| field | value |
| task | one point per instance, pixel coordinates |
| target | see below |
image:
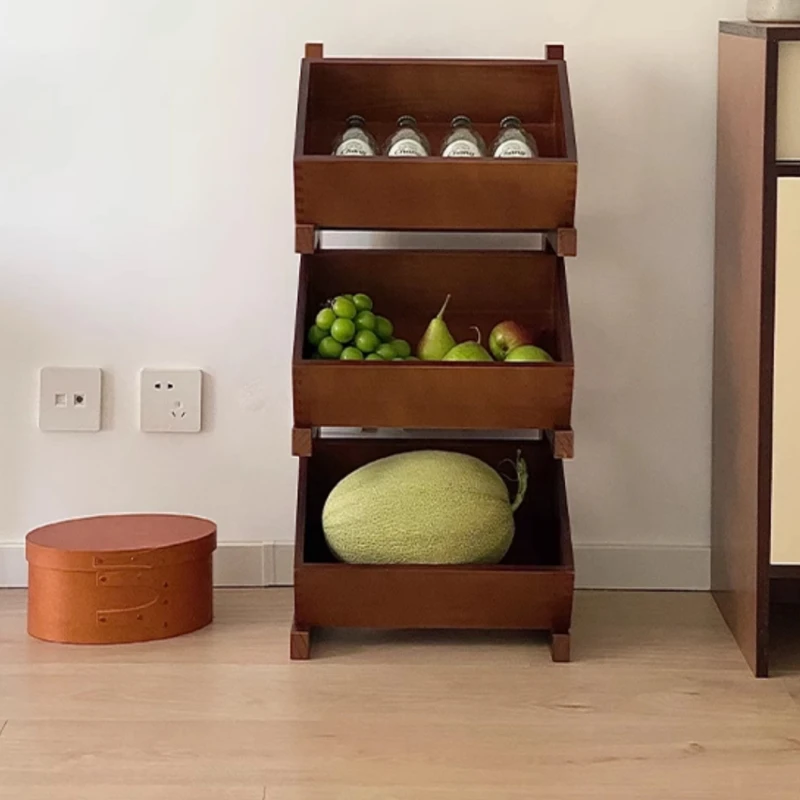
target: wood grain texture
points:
(302, 442)
(434, 193)
(305, 238)
(563, 242)
(299, 643)
(562, 443)
(658, 704)
(740, 532)
(529, 288)
(530, 590)
(123, 578)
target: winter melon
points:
(426, 507)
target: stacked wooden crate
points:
(532, 588)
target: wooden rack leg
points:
(306, 239)
(559, 645)
(314, 50)
(554, 52)
(302, 442)
(299, 642)
(563, 242)
(562, 443)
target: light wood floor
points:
(657, 705)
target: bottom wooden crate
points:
(531, 589)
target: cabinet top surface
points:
(761, 30)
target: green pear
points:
(528, 352)
(437, 341)
(468, 351)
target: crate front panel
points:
(409, 288)
(435, 193)
(531, 589)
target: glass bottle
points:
(514, 141)
(407, 140)
(463, 141)
(356, 139)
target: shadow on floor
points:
(785, 640)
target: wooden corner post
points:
(315, 50)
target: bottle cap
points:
(355, 121)
(406, 121)
(461, 121)
(511, 122)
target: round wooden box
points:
(115, 579)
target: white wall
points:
(146, 220)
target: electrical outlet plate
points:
(171, 400)
(70, 398)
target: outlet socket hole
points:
(79, 400)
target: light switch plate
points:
(171, 400)
(70, 398)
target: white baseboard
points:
(605, 566)
(13, 568)
(597, 566)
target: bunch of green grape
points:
(347, 329)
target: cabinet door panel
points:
(788, 144)
(786, 423)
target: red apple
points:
(507, 336)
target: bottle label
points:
(513, 148)
(461, 148)
(407, 147)
(354, 147)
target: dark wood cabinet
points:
(756, 427)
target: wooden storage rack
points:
(532, 588)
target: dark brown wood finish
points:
(531, 590)
(487, 288)
(563, 242)
(435, 193)
(773, 32)
(302, 441)
(742, 347)
(784, 572)
(306, 239)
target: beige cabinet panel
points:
(786, 429)
(788, 146)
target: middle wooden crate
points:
(409, 288)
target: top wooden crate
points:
(487, 194)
